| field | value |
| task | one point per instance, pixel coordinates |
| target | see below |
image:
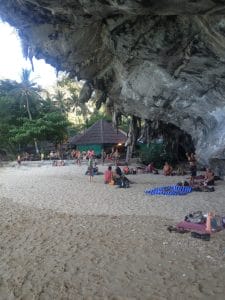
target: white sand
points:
(63, 237)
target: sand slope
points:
(62, 237)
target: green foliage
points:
(25, 117)
(124, 123)
(25, 92)
(67, 96)
(154, 153)
(9, 117)
(96, 116)
(51, 127)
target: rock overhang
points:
(158, 60)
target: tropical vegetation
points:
(30, 115)
(27, 118)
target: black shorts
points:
(193, 170)
(91, 171)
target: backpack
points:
(196, 217)
(124, 182)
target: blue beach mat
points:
(173, 190)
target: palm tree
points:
(73, 102)
(59, 99)
(26, 91)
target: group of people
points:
(58, 163)
(115, 177)
(78, 156)
(114, 156)
(127, 170)
(206, 179)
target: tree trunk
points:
(134, 130)
(28, 108)
(36, 146)
(30, 118)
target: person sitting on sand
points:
(167, 169)
(61, 163)
(133, 171)
(150, 167)
(126, 169)
(108, 175)
(180, 171)
(209, 177)
(54, 163)
(118, 171)
(117, 174)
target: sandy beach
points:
(63, 237)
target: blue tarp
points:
(174, 190)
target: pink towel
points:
(192, 226)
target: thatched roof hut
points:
(101, 135)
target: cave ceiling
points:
(158, 60)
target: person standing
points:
(103, 156)
(116, 157)
(78, 157)
(91, 168)
(19, 159)
(193, 166)
(51, 155)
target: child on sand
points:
(91, 168)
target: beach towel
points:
(191, 226)
(216, 223)
(173, 190)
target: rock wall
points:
(158, 60)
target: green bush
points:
(155, 153)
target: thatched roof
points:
(102, 132)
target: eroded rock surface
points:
(158, 60)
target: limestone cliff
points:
(158, 60)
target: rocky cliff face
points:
(158, 60)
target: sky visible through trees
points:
(40, 108)
(12, 60)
